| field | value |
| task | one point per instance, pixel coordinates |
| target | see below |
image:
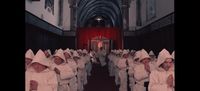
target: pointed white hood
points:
(162, 56)
(143, 55)
(133, 51)
(117, 52)
(151, 53)
(49, 51)
(75, 54)
(55, 51)
(71, 50)
(40, 58)
(29, 54)
(85, 51)
(120, 50)
(125, 52)
(137, 55)
(79, 50)
(68, 51)
(60, 54)
(173, 54)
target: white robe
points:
(66, 73)
(158, 80)
(73, 85)
(116, 69)
(152, 65)
(80, 74)
(141, 76)
(86, 60)
(130, 73)
(47, 80)
(122, 74)
(88, 64)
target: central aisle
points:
(100, 80)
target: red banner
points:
(86, 34)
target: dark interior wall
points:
(37, 38)
(152, 40)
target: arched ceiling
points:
(107, 8)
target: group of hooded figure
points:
(68, 70)
(142, 71)
(65, 70)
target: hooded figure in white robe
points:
(63, 70)
(48, 53)
(142, 71)
(81, 70)
(116, 69)
(162, 79)
(86, 60)
(88, 63)
(28, 57)
(123, 67)
(38, 75)
(73, 85)
(131, 70)
(152, 63)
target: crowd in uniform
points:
(68, 70)
(142, 71)
(65, 70)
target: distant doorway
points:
(89, 38)
(97, 42)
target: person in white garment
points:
(142, 71)
(102, 56)
(130, 69)
(152, 63)
(86, 60)
(81, 70)
(130, 58)
(73, 85)
(48, 53)
(162, 79)
(123, 67)
(116, 69)
(28, 57)
(63, 70)
(38, 75)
